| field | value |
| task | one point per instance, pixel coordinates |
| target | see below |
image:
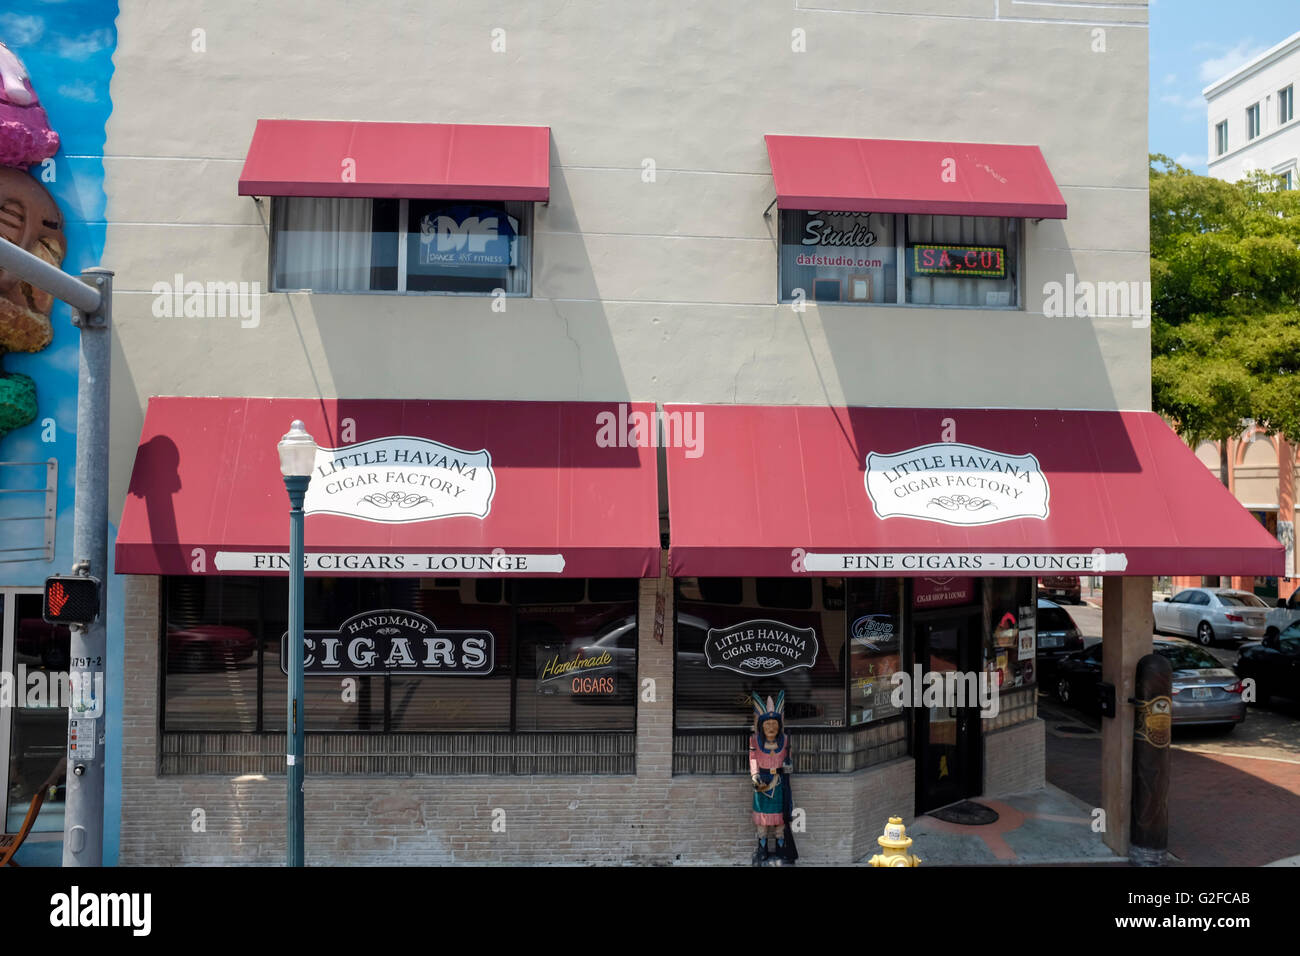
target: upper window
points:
(1285, 105)
(401, 245)
(1221, 137)
(874, 258)
(1252, 121)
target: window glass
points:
(962, 260)
(1185, 657)
(1053, 619)
(1008, 653)
(1221, 137)
(460, 246)
(1285, 104)
(356, 245)
(226, 640)
(838, 256)
(784, 592)
(39, 730)
(727, 651)
(334, 245)
(1183, 597)
(1240, 599)
(1199, 598)
(875, 647)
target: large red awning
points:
(782, 491)
(416, 488)
(397, 160)
(908, 176)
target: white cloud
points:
(1188, 160)
(1171, 78)
(21, 31)
(80, 90)
(85, 46)
(1219, 66)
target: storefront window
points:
(776, 635)
(852, 257)
(38, 732)
(401, 245)
(875, 647)
(1009, 646)
(546, 656)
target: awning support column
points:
(1126, 629)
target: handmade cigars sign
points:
(401, 479)
(393, 642)
(956, 484)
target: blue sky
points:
(1193, 43)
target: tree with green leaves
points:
(1225, 302)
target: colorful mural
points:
(56, 63)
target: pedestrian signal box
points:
(71, 599)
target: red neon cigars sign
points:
(985, 262)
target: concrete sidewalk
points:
(1039, 828)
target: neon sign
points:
(985, 262)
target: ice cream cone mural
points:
(31, 219)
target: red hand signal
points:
(58, 598)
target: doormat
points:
(968, 813)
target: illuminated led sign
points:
(984, 262)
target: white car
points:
(1212, 614)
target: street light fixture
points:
(297, 459)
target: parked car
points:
(1283, 616)
(1274, 665)
(1204, 691)
(203, 647)
(1057, 637)
(1212, 614)
(1062, 586)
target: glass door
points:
(947, 716)
(34, 723)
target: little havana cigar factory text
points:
(917, 465)
(396, 456)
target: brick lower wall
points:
(1015, 758)
(651, 817)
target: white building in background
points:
(1252, 116)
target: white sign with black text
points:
(956, 484)
(401, 479)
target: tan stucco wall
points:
(660, 291)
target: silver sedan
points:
(1212, 614)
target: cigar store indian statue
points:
(29, 218)
(770, 764)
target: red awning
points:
(416, 488)
(397, 160)
(780, 491)
(907, 176)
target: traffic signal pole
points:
(91, 298)
(83, 831)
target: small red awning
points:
(397, 160)
(907, 176)
(780, 491)
(414, 488)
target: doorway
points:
(949, 756)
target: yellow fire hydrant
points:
(894, 842)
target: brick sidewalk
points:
(1223, 810)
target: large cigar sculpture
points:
(29, 218)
